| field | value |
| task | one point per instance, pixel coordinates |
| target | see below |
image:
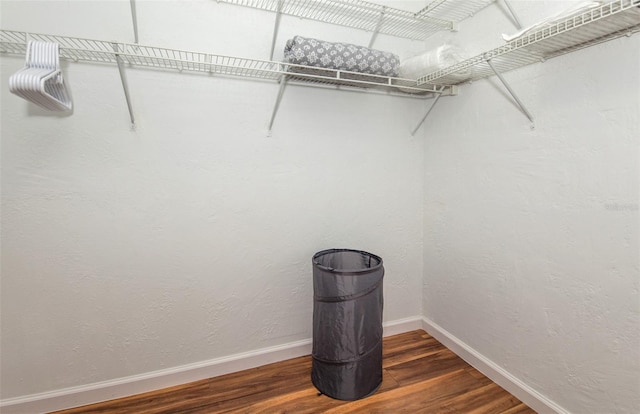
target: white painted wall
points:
(190, 238)
(531, 236)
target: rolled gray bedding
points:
(340, 56)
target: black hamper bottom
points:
(346, 380)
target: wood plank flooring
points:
(420, 376)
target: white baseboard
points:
(401, 326)
(136, 384)
(123, 387)
(493, 371)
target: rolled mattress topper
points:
(340, 56)
(439, 58)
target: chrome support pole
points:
(283, 84)
(135, 20)
(378, 26)
(513, 14)
(276, 26)
(513, 94)
(439, 94)
(125, 86)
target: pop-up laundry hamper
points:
(347, 323)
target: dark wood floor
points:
(420, 376)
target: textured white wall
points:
(531, 236)
(190, 238)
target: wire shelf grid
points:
(453, 10)
(373, 17)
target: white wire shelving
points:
(135, 55)
(437, 16)
(606, 22)
(600, 24)
(611, 20)
(99, 51)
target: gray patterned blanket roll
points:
(340, 56)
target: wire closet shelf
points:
(609, 21)
(98, 51)
(358, 14)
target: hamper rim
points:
(347, 272)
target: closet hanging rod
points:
(88, 50)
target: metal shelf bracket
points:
(283, 84)
(433, 104)
(135, 20)
(513, 14)
(125, 86)
(276, 26)
(513, 94)
(378, 26)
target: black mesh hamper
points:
(347, 323)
